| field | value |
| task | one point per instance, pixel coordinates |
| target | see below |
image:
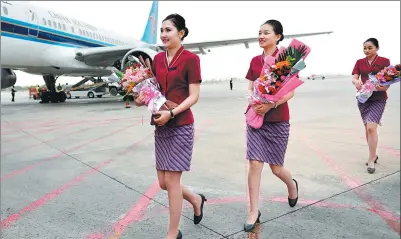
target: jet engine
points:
(146, 53)
(8, 78)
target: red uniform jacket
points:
(174, 80)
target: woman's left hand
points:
(262, 109)
(381, 88)
(165, 116)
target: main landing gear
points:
(52, 95)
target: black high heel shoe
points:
(293, 202)
(179, 236)
(377, 157)
(198, 219)
(371, 170)
(250, 227)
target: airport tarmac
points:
(85, 169)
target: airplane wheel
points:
(62, 96)
(91, 95)
(44, 97)
(113, 91)
(54, 98)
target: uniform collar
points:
(175, 58)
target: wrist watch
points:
(171, 113)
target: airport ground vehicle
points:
(313, 77)
(33, 93)
(89, 87)
(36, 92)
(115, 88)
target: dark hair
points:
(374, 41)
(179, 23)
(277, 28)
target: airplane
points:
(42, 42)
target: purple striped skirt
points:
(173, 147)
(372, 111)
(268, 143)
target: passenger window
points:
(64, 27)
(54, 24)
(5, 11)
(72, 29)
(49, 23)
(59, 25)
(44, 22)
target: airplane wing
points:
(106, 56)
(199, 47)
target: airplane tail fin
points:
(150, 33)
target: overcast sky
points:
(352, 23)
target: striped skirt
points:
(372, 111)
(173, 147)
(268, 143)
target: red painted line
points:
(30, 122)
(227, 200)
(16, 216)
(375, 205)
(137, 209)
(29, 167)
(68, 125)
(36, 126)
(46, 123)
(60, 136)
(392, 151)
(9, 221)
(44, 131)
(134, 214)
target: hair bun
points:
(186, 31)
(281, 38)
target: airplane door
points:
(33, 19)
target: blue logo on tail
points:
(150, 33)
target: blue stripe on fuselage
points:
(34, 39)
(19, 29)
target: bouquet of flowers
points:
(134, 75)
(279, 76)
(139, 80)
(388, 76)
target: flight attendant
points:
(268, 144)
(372, 110)
(179, 75)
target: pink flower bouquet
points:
(139, 80)
(388, 76)
(279, 76)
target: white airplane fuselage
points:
(40, 41)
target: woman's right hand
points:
(358, 83)
(140, 100)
